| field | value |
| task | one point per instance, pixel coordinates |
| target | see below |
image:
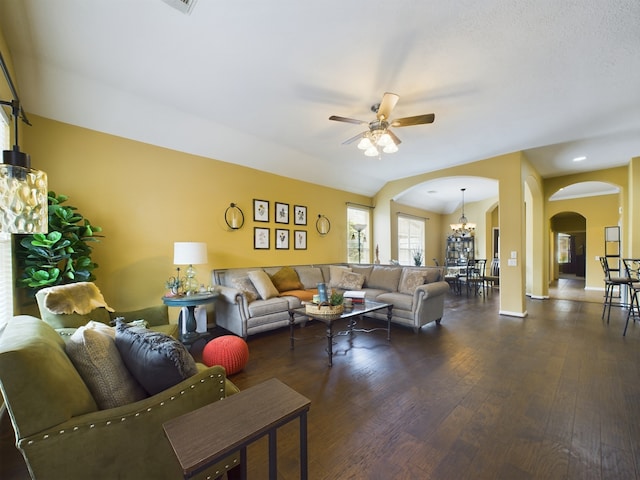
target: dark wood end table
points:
(210, 433)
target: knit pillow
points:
(92, 349)
(156, 360)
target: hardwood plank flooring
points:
(554, 395)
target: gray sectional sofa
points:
(417, 293)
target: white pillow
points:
(263, 284)
(335, 275)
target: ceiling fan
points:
(379, 136)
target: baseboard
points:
(513, 314)
(539, 297)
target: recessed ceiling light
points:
(579, 159)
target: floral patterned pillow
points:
(245, 285)
(410, 280)
(350, 281)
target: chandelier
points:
(463, 228)
(375, 140)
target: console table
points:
(210, 433)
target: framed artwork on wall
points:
(282, 239)
(300, 239)
(282, 213)
(299, 215)
(261, 238)
(260, 210)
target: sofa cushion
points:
(310, 277)
(263, 284)
(286, 279)
(267, 307)
(385, 278)
(350, 281)
(400, 301)
(157, 361)
(302, 295)
(411, 279)
(335, 274)
(364, 270)
(92, 349)
(32, 355)
(434, 275)
(245, 286)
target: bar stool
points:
(610, 283)
(632, 267)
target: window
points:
(6, 271)
(564, 248)
(358, 235)
(410, 239)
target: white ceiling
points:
(254, 82)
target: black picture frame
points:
(299, 239)
(299, 215)
(281, 212)
(261, 238)
(282, 239)
(260, 210)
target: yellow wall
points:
(434, 247)
(146, 197)
(600, 211)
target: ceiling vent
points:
(185, 6)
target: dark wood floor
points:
(555, 395)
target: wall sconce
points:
(323, 225)
(23, 190)
(234, 217)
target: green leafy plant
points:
(336, 298)
(61, 256)
(417, 257)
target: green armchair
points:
(61, 432)
(65, 323)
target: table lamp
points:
(190, 253)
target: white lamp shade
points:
(189, 253)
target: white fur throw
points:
(81, 297)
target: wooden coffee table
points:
(350, 314)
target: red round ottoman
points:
(229, 351)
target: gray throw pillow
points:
(156, 360)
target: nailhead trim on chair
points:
(219, 377)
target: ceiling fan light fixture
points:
(391, 148)
(372, 151)
(365, 143)
(384, 139)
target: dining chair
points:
(492, 275)
(474, 277)
(632, 268)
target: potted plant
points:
(417, 258)
(61, 256)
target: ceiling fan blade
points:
(353, 139)
(348, 120)
(393, 136)
(417, 120)
(388, 103)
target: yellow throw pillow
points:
(286, 279)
